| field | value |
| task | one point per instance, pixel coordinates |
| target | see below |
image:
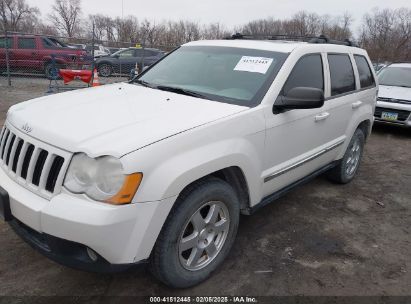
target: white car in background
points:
(394, 97)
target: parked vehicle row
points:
(40, 54)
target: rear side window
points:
(308, 72)
(26, 43)
(364, 70)
(3, 42)
(342, 74)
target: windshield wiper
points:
(180, 91)
(143, 83)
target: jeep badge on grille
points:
(26, 128)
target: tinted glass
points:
(395, 76)
(48, 43)
(342, 74)
(3, 42)
(139, 52)
(232, 75)
(26, 43)
(126, 53)
(308, 72)
(364, 70)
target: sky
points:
(228, 12)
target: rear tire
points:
(346, 170)
(51, 71)
(198, 234)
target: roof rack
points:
(310, 39)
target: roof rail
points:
(310, 39)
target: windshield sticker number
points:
(254, 64)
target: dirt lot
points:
(321, 239)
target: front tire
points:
(105, 70)
(346, 170)
(197, 235)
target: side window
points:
(342, 74)
(127, 53)
(47, 43)
(364, 70)
(139, 53)
(26, 43)
(308, 72)
(3, 42)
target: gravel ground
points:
(321, 239)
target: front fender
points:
(172, 164)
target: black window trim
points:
(353, 71)
(372, 74)
(299, 59)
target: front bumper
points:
(402, 110)
(120, 235)
(68, 253)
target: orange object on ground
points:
(96, 81)
(70, 75)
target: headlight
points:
(101, 179)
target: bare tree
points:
(13, 13)
(66, 16)
(386, 34)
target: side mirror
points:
(300, 98)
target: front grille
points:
(31, 164)
(402, 114)
(394, 100)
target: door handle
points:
(322, 116)
(356, 104)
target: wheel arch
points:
(365, 126)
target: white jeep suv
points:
(159, 169)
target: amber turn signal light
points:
(127, 192)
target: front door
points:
(298, 141)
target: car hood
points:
(114, 119)
(394, 92)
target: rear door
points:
(366, 84)
(342, 95)
(27, 54)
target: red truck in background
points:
(40, 54)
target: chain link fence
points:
(61, 63)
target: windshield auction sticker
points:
(254, 64)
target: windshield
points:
(395, 76)
(231, 75)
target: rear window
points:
(3, 42)
(364, 71)
(342, 74)
(26, 43)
